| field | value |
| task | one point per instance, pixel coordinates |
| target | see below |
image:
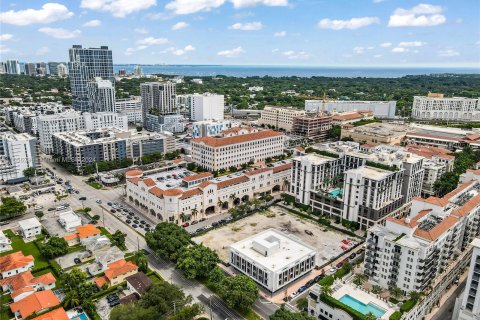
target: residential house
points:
(69, 220)
(5, 243)
(117, 272)
(82, 235)
(103, 257)
(30, 227)
(57, 314)
(34, 303)
(15, 263)
(24, 284)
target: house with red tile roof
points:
(24, 284)
(56, 314)
(116, 273)
(34, 303)
(15, 263)
(83, 234)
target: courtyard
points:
(327, 242)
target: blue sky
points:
(250, 32)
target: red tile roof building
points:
(25, 283)
(36, 302)
(15, 263)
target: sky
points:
(424, 33)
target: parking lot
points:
(51, 224)
(130, 216)
(327, 242)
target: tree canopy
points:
(11, 208)
(239, 292)
(197, 261)
(54, 247)
(168, 240)
(284, 314)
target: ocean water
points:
(287, 71)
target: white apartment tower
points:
(467, 305)
(62, 70)
(158, 98)
(17, 153)
(437, 107)
(207, 106)
(12, 67)
(101, 95)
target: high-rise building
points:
(137, 71)
(3, 67)
(158, 98)
(279, 117)
(12, 67)
(62, 70)
(84, 66)
(467, 305)
(206, 106)
(52, 68)
(30, 69)
(17, 153)
(101, 95)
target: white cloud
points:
(151, 41)
(370, 48)
(358, 50)
(179, 25)
(231, 53)
(353, 23)
(247, 26)
(385, 44)
(118, 8)
(60, 33)
(92, 23)
(251, 3)
(4, 49)
(399, 50)
(377, 56)
(378, 1)
(6, 36)
(275, 50)
(43, 50)
(422, 15)
(296, 54)
(50, 12)
(181, 52)
(192, 6)
(448, 53)
(280, 34)
(411, 44)
(140, 30)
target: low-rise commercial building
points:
(376, 133)
(236, 147)
(343, 118)
(437, 107)
(272, 258)
(443, 137)
(69, 220)
(179, 195)
(381, 109)
(279, 117)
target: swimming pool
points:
(361, 307)
(335, 193)
(81, 316)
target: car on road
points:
(203, 219)
(186, 224)
(301, 289)
(194, 222)
(77, 261)
(216, 223)
(82, 198)
(38, 207)
(319, 277)
(52, 209)
(99, 201)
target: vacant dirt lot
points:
(328, 243)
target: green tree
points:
(197, 261)
(118, 239)
(396, 292)
(376, 289)
(54, 247)
(334, 132)
(239, 292)
(302, 304)
(11, 207)
(370, 316)
(29, 172)
(39, 214)
(141, 260)
(284, 314)
(327, 289)
(415, 295)
(215, 278)
(359, 279)
(168, 240)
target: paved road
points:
(134, 240)
(446, 310)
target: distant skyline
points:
(367, 33)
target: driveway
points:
(66, 261)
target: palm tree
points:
(220, 203)
(72, 299)
(327, 289)
(232, 197)
(376, 289)
(347, 266)
(183, 216)
(370, 316)
(194, 212)
(359, 279)
(396, 292)
(415, 295)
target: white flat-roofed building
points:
(467, 304)
(238, 146)
(132, 107)
(279, 117)
(69, 220)
(206, 106)
(30, 227)
(211, 128)
(380, 109)
(439, 108)
(17, 153)
(272, 258)
(5, 243)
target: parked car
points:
(128, 221)
(194, 222)
(77, 261)
(339, 265)
(301, 289)
(310, 233)
(52, 209)
(202, 219)
(352, 256)
(99, 201)
(186, 224)
(216, 223)
(109, 203)
(332, 271)
(113, 210)
(38, 207)
(319, 277)
(135, 226)
(82, 198)
(310, 283)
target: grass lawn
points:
(155, 277)
(104, 232)
(95, 184)
(251, 315)
(27, 248)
